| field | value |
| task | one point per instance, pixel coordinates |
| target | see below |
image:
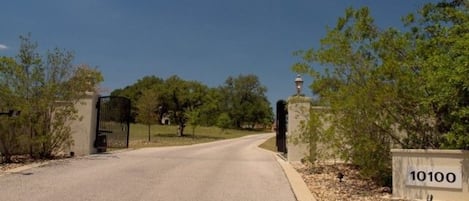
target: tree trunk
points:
(181, 129)
(149, 133)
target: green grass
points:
(164, 135)
(269, 144)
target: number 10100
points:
(433, 176)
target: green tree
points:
(211, 108)
(136, 90)
(147, 107)
(193, 118)
(440, 35)
(41, 90)
(245, 101)
(387, 87)
(180, 96)
(243, 98)
(354, 90)
(9, 100)
(224, 122)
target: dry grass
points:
(269, 144)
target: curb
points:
(24, 167)
(297, 184)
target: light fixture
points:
(299, 84)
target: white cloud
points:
(3, 47)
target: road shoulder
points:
(299, 187)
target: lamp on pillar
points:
(299, 84)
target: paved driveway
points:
(226, 170)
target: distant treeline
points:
(238, 103)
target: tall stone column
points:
(298, 116)
(84, 130)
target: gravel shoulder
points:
(324, 184)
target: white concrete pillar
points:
(298, 116)
(84, 131)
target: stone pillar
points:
(298, 116)
(84, 131)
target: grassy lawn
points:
(269, 144)
(166, 135)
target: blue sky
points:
(204, 40)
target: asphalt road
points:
(234, 170)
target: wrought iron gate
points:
(281, 126)
(112, 127)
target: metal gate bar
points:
(112, 127)
(281, 126)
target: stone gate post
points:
(298, 116)
(84, 131)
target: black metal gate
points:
(112, 127)
(281, 126)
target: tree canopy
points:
(245, 101)
(135, 91)
(242, 99)
(39, 87)
(391, 87)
